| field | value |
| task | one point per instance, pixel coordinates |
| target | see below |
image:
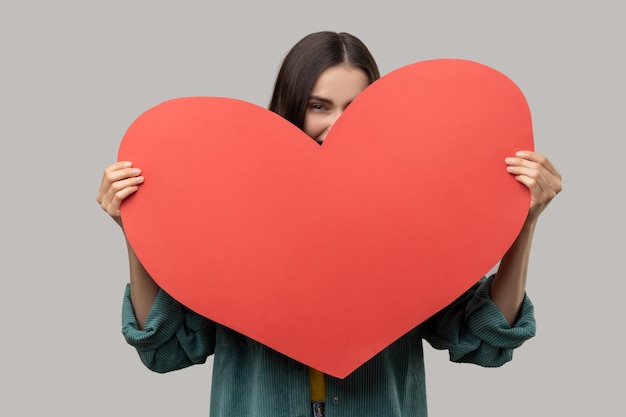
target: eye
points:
(317, 107)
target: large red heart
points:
(330, 253)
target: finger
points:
(532, 185)
(541, 159)
(106, 180)
(120, 185)
(532, 177)
(112, 174)
(542, 185)
(550, 182)
(113, 206)
(118, 193)
(539, 180)
(534, 167)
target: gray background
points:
(74, 75)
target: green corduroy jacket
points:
(252, 380)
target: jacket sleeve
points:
(473, 329)
(173, 337)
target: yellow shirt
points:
(317, 385)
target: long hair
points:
(306, 60)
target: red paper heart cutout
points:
(246, 220)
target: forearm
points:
(143, 289)
(509, 286)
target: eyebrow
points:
(325, 100)
(322, 99)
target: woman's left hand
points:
(536, 172)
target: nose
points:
(337, 115)
(334, 119)
(331, 122)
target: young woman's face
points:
(333, 91)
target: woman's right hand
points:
(118, 182)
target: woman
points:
(318, 79)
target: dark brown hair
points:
(306, 60)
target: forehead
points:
(340, 82)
